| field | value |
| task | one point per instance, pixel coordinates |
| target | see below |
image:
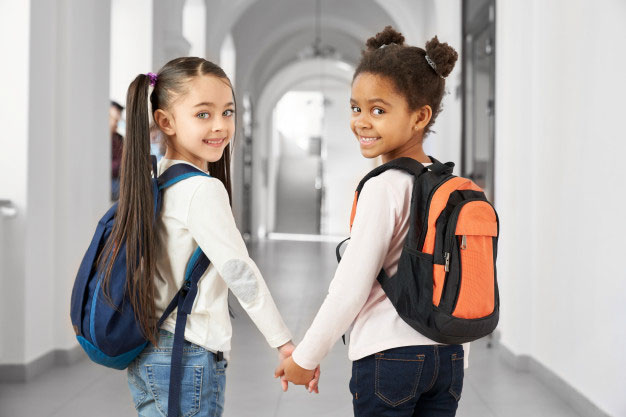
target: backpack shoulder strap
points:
(441, 169)
(177, 173)
(408, 165)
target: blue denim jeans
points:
(419, 381)
(202, 385)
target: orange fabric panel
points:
(356, 199)
(469, 185)
(439, 275)
(476, 295)
(438, 203)
(477, 218)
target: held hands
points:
(290, 371)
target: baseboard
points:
(520, 363)
(28, 371)
(560, 387)
(575, 398)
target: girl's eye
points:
(228, 113)
(203, 115)
(378, 111)
(355, 109)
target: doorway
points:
(299, 189)
(478, 141)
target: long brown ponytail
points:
(134, 223)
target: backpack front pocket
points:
(469, 260)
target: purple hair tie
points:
(153, 78)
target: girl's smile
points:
(367, 141)
(214, 142)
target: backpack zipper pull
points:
(464, 242)
(447, 257)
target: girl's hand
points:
(313, 385)
(285, 352)
(290, 371)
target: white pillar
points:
(14, 31)
(55, 166)
(167, 29)
(131, 44)
(82, 146)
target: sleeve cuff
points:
(302, 362)
(280, 339)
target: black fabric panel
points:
(453, 282)
(429, 183)
(408, 290)
(440, 237)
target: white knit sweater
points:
(196, 212)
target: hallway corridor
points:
(298, 274)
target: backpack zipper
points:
(450, 229)
(458, 287)
(447, 254)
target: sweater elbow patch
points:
(241, 279)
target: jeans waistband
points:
(165, 340)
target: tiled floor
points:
(298, 274)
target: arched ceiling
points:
(270, 34)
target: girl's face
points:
(381, 119)
(201, 123)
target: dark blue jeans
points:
(418, 381)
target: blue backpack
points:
(110, 334)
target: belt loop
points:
(219, 356)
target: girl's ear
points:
(164, 122)
(422, 117)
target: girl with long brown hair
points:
(192, 103)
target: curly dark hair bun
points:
(418, 74)
(388, 36)
(443, 55)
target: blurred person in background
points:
(117, 141)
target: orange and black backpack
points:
(446, 286)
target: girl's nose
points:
(219, 124)
(361, 122)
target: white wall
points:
(58, 162)
(168, 41)
(82, 153)
(194, 26)
(559, 149)
(14, 25)
(131, 44)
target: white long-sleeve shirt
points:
(355, 296)
(196, 212)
